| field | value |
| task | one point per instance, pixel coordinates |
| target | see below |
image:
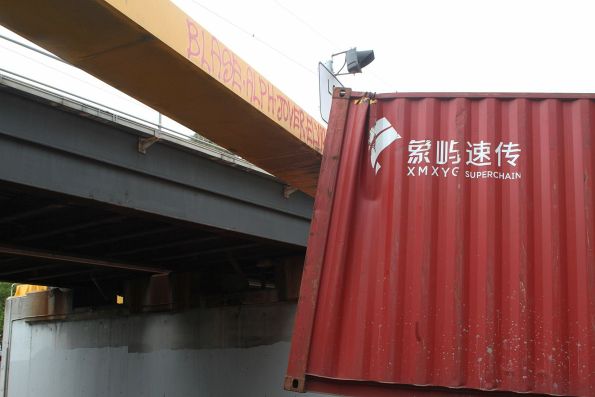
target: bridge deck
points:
(80, 205)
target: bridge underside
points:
(80, 207)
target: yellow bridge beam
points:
(153, 51)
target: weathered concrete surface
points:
(231, 351)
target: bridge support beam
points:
(156, 53)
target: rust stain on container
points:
(453, 253)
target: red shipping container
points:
(451, 249)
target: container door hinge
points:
(145, 143)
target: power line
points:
(252, 35)
(320, 34)
(305, 23)
(89, 83)
(45, 53)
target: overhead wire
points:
(305, 23)
(63, 72)
(321, 35)
(253, 35)
(104, 87)
(29, 47)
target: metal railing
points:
(105, 112)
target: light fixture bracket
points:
(354, 60)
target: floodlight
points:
(354, 60)
(327, 77)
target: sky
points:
(420, 45)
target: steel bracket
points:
(145, 143)
(288, 191)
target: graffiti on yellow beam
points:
(207, 52)
(190, 39)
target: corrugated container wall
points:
(451, 250)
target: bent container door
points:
(451, 249)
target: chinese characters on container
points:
(481, 160)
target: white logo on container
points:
(381, 136)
